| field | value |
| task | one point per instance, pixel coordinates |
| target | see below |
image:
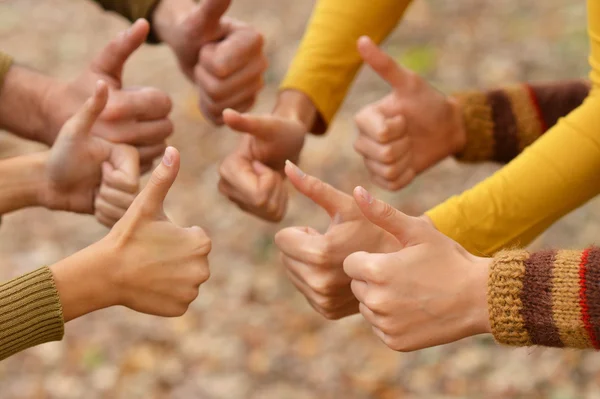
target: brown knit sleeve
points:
(133, 10)
(5, 64)
(30, 312)
(549, 298)
(501, 123)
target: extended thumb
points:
(384, 215)
(380, 62)
(113, 56)
(81, 123)
(163, 177)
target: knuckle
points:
(322, 286)
(190, 295)
(387, 154)
(390, 172)
(180, 309)
(214, 90)
(330, 315)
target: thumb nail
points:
(365, 194)
(168, 157)
(299, 172)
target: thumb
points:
(112, 57)
(263, 127)
(405, 228)
(334, 202)
(151, 198)
(207, 15)
(380, 62)
(81, 123)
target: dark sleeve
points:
(133, 10)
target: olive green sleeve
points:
(133, 10)
(30, 312)
(5, 63)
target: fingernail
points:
(296, 169)
(168, 157)
(365, 194)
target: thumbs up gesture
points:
(223, 56)
(314, 261)
(145, 262)
(86, 173)
(159, 266)
(409, 130)
(428, 293)
(251, 176)
(135, 116)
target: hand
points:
(432, 292)
(224, 57)
(88, 174)
(252, 175)
(314, 261)
(145, 263)
(409, 130)
(136, 116)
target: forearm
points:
(553, 176)
(327, 59)
(30, 312)
(21, 181)
(548, 298)
(501, 123)
(22, 99)
(82, 282)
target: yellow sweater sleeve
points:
(327, 59)
(555, 175)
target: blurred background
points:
(250, 334)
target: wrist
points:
(479, 269)
(295, 105)
(459, 131)
(169, 13)
(83, 281)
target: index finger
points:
(146, 103)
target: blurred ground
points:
(249, 334)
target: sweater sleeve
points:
(501, 123)
(30, 312)
(5, 64)
(549, 298)
(553, 176)
(327, 60)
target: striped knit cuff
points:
(6, 62)
(545, 298)
(499, 123)
(30, 312)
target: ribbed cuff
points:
(30, 312)
(479, 127)
(547, 298)
(6, 62)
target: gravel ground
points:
(250, 334)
